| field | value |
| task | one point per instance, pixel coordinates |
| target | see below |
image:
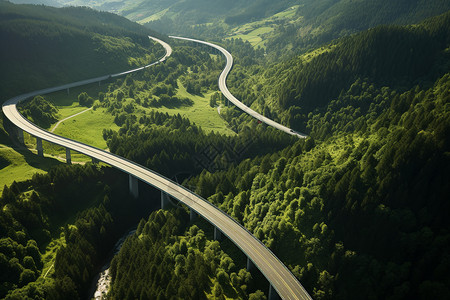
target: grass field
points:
(21, 165)
(200, 112)
(256, 32)
(88, 127)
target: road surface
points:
(284, 282)
(224, 89)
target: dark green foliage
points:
(163, 260)
(45, 46)
(394, 56)
(40, 111)
(325, 20)
(177, 146)
(33, 212)
(85, 100)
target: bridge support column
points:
(273, 295)
(133, 183)
(217, 234)
(20, 136)
(192, 215)
(164, 200)
(68, 91)
(39, 148)
(250, 265)
(68, 157)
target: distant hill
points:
(316, 22)
(43, 46)
(320, 21)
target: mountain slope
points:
(395, 56)
(359, 211)
(44, 46)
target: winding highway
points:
(280, 278)
(224, 89)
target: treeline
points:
(367, 206)
(388, 56)
(393, 56)
(157, 86)
(39, 111)
(31, 215)
(172, 144)
(165, 259)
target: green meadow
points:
(20, 165)
(256, 33)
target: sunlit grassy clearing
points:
(254, 32)
(254, 37)
(200, 112)
(88, 127)
(21, 165)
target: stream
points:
(102, 281)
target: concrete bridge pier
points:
(68, 91)
(39, 148)
(164, 200)
(217, 234)
(250, 264)
(133, 183)
(192, 215)
(20, 136)
(273, 295)
(68, 157)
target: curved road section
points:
(224, 89)
(275, 271)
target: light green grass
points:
(150, 18)
(22, 165)
(49, 256)
(254, 37)
(200, 112)
(307, 57)
(88, 127)
(257, 32)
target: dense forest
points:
(169, 258)
(365, 196)
(54, 235)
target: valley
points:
(355, 208)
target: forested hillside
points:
(45, 46)
(368, 202)
(54, 234)
(398, 57)
(167, 257)
(359, 210)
